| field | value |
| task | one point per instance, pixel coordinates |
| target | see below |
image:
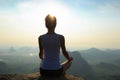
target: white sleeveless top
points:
(51, 46)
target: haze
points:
(84, 23)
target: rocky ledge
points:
(35, 76)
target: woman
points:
(49, 46)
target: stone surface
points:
(36, 76)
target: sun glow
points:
(30, 21)
(33, 14)
(55, 9)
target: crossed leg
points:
(66, 65)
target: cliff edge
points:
(35, 76)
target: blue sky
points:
(109, 7)
(85, 23)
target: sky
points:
(84, 23)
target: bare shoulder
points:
(40, 38)
(61, 36)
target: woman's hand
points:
(70, 59)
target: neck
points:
(50, 32)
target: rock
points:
(35, 76)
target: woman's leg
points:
(66, 65)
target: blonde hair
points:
(50, 21)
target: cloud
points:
(111, 7)
(107, 7)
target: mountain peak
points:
(94, 49)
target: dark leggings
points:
(51, 73)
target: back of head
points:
(50, 21)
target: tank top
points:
(51, 46)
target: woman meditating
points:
(49, 46)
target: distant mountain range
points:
(90, 64)
(3, 67)
(105, 63)
(94, 55)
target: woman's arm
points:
(65, 53)
(40, 48)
